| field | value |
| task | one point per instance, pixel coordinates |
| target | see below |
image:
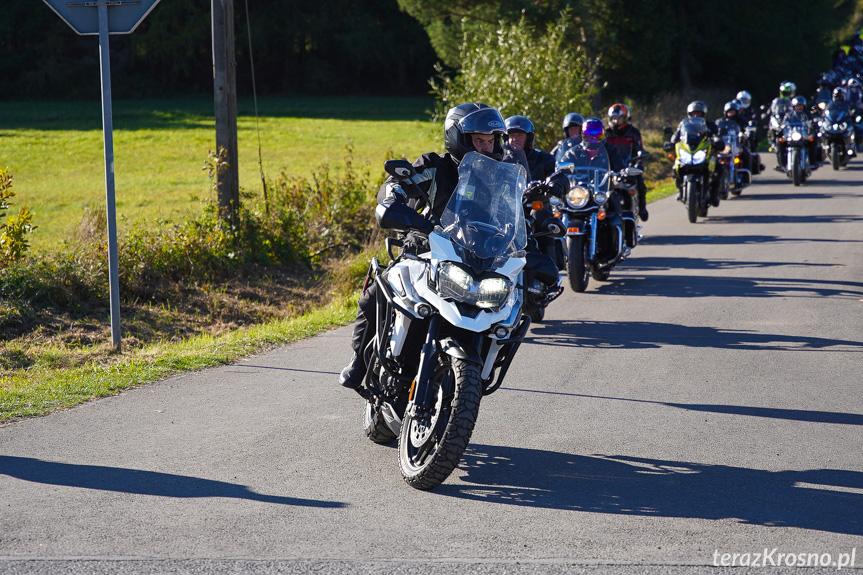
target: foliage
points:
(323, 47)
(510, 69)
(307, 219)
(14, 231)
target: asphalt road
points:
(705, 401)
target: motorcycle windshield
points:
(484, 215)
(835, 113)
(589, 162)
(732, 135)
(693, 131)
(795, 122)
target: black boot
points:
(642, 204)
(354, 372)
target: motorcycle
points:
(735, 177)
(449, 321)
(836, 131)
(601, 226)
(694, 165)
(795, 140)
(545, 253)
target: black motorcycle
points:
(796, 138)
(836, 130)
(600, 222)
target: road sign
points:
(83, 16)
(94, 17)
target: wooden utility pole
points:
(225, 87)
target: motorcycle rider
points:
(778, 107)
(520, 133)
(746, 112)
(626, 138)
(467, 127)
(840, 99)
(731, 112)
(698, 109)
(572, 123)
(813, 147)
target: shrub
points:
(540, 74)
(14, 231)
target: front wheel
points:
(796, 168)
(692, 199)
(834, 156)
(577, 266)
(431, 446)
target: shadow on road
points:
(688, 286)
(810, 416)
(681, 240)
(645, 335)
(820, 499)
(137, 481)
(783, 219)
(678, 263)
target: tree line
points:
(339, 47)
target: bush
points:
(302, 221)
(540, 74)
(14, 231)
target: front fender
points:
(453, 348)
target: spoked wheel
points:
(577, 266)
(692, 202)
(431, 446)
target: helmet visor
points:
(484, 121)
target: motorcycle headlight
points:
(577, 197)
(601, 196)
(843, 126)
(699, 157)
(685, 157)
(796, 136)
(454, 282)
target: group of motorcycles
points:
(449, 321)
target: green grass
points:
(55, 151)
(48, 386)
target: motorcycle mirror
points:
(399, 169)
(552, 227)
(630, 172)
(566, 167)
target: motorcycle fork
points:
(421, 389)
(594, 220)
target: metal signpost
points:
(90, 18)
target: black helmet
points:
(467, 119)
(521, 124)
(572, 119)
(732, 105)
(798, 101)
(839, 94)
(696, 106)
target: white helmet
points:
(745, 98)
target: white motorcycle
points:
(449, 320)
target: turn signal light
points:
(600, 215)
(573, 230)
(537, 205)
(736, 160)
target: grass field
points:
(55, 150)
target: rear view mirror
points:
(399, 169)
